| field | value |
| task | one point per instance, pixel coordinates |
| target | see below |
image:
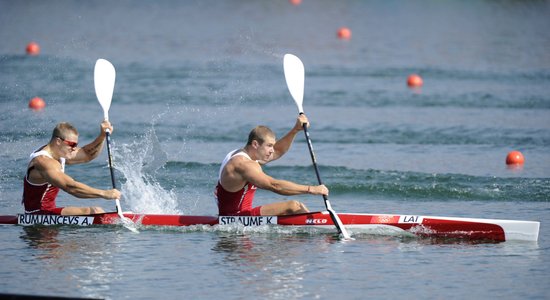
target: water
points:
(194, 77)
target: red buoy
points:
(414, 81)
(515, 158)
(37, 103)
(295, 2)
(344, 33)
(33, 48)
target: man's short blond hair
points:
(260, 133)
(63, 129)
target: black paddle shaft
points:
(313, 159)
(108, 137)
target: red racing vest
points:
(234, 203)
(39, 197)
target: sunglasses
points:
(68, 143)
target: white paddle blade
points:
(294, 75)
(104, 82)
(126, 222)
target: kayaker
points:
(46, 173)
(241, 173)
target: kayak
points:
(383, 224)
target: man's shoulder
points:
(242, 163)
(44, 162)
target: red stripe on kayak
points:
(8, 219)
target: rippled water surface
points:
(194, 77)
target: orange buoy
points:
(515, 158)
(37, 103)
(344, 33)
(295, 2)
(414, 81)
(33, 48)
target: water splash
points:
(141, 192)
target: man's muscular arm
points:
(93, 149)
(282, 145)
(252, 172)
(50, 172)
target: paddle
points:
(294, 75)
(104, 82)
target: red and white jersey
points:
(239, 202)
(40, 197)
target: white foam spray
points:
(141, 192)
